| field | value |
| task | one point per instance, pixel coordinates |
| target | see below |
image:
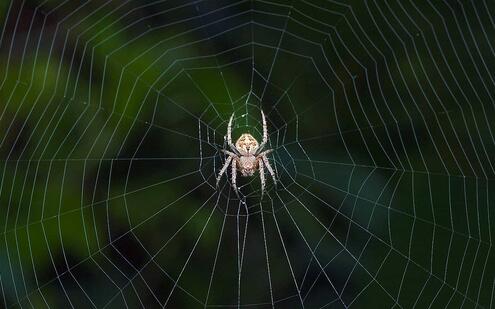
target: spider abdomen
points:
(247, 143)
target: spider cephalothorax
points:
(247, 155)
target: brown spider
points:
(246, 156)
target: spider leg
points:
(265, 132)
(234, 174)
(262, 175)
(229, 153)
(229, 133)
(224, 168)
(269, 168)
(265, 153)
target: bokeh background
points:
(380, 114)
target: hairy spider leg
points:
(224, 168)
(262, 176)
(265, 132)
(234, 174)
(229, 134)
(269, 168)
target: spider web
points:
(112, 122)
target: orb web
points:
(113, 116)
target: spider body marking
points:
(247, 156)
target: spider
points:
(247, 156)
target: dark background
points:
(380, 114)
